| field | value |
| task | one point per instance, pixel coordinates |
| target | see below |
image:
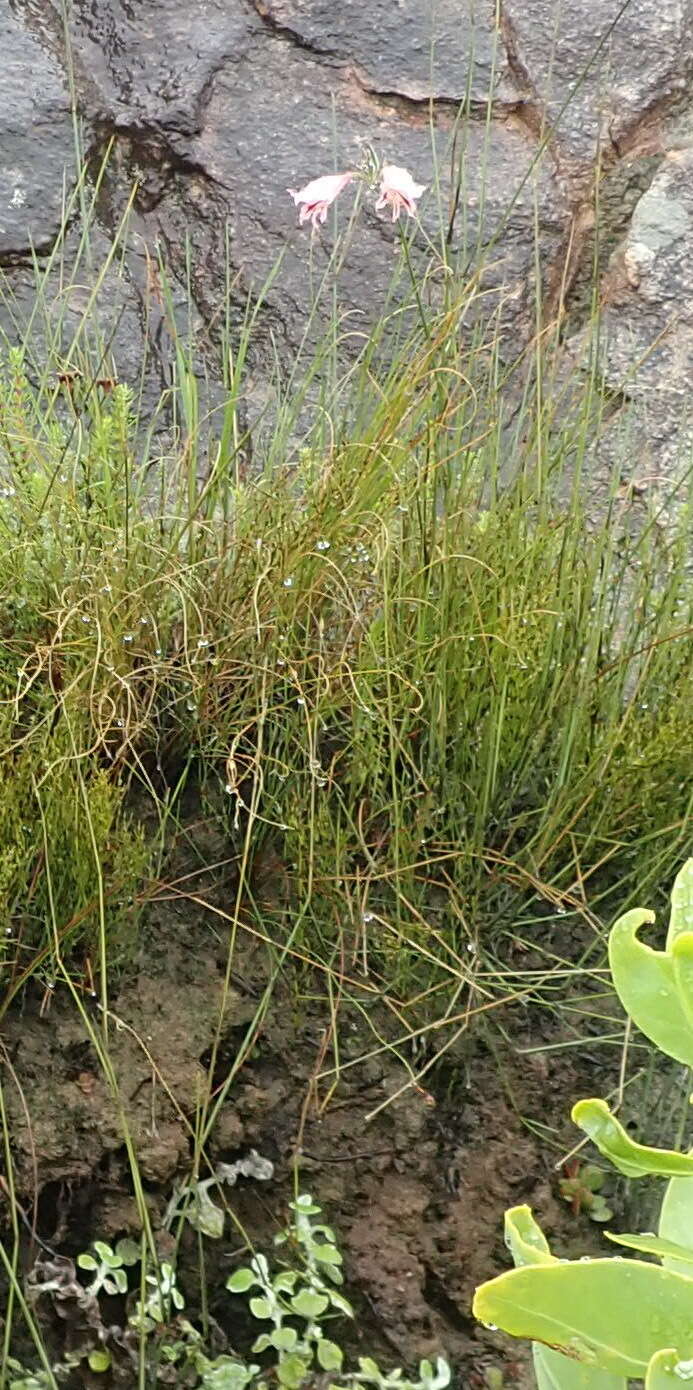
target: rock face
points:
(36, 141)
(399, 49)
(600, 68)
(510, 111)
(647, 328)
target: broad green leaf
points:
(682, 958)
(283, 1338)
(337, 1301)
(326, 1254)
(634, 1160)
(241, 1281)
(525, 1239)
(645, 983)
(292, 1371)
(260, 1307)
(676, 1222)
(681, 919)
(529, 1246)
(654, 1245)
(665, 1370)
(556, 1372)
(587, 1310)
(309, 1304)
(87, 1262)
(226, 1374)
(369, 1367)
(285, 1281)
(330, 1356)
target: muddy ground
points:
(416, 1193)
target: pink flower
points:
(398, 190)
(317, 195)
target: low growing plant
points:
(599, 1323)
(295, 1304)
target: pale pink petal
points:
(315, 197)
(398, 190)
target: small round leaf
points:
(330, 1356)
(260, 1308)
(241, 1281)
(309, 1304)
(99, 1360)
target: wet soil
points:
(414, 1180)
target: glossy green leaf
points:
(556, 1372)
(682, 959)
(681, 919)
(665, 1250)
(525, 1239)
(665, 1370)
(646, 985)
(587, 1310)
(529, 1246)
(634, 1160)
(676, 1222)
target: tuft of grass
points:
(412, 665)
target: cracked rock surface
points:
(216, 107)
(36, 140)
(391, 45)
(599, 69)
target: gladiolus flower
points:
(316, 197)
(398, 190)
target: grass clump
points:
(403, 665)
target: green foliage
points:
(628, 1319)
(109, 1266)
(581, 1188)
(300, 1302)
(417, 668)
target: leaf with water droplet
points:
(681, 919)
(661, 1372)
(556, 1372)
(655, 1245)
(589, 1308)
(525, 1238)
(676, 1223)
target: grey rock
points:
(646, 344)
(36, 140)
(149, 64)
(612, 63)
(647, 331)
(218, 109)
(73, 312)
(444, 51)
